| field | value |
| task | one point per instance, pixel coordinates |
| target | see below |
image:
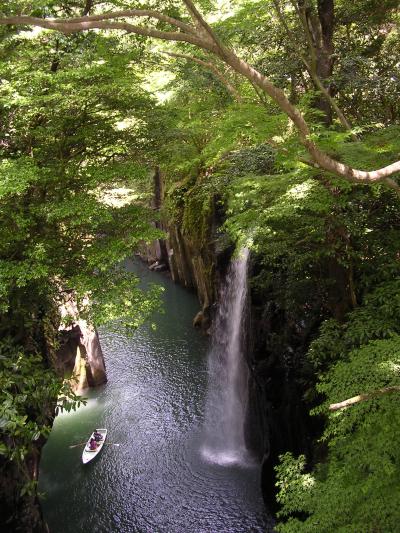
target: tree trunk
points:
(319, 28)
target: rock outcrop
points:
(194, 250)
(278, 417)
(80, 355)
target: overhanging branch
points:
(214, 69)
(132, 13)
(68, 26)
(363, 397)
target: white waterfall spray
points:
(227, 372)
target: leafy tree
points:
(201, 35)
(74, 130)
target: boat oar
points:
(108, 444)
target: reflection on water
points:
(156, 480)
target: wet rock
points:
(158, 267)
(80, 353)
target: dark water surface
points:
(157, 480)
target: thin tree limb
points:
(260, 94)
(214, 69)
(363, 397)
(309, 38)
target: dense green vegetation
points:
(70, 140)
(86, 114)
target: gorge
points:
(172, 131)
(157, 478)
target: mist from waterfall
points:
(227, 372)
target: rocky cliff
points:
(195, 250)
(79, 355)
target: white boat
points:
(88, 454)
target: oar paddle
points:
(108, 444)
(75, 445)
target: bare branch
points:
(363, 398)
(133, 13)
(214, 69)
(70, 26)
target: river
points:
(156, 480)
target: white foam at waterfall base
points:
(226, 457)
(225, 412)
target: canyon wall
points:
(74, 352)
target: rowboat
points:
(88, 454)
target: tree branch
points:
(323, 160)
(300, 9)
(260, 94)
(84, 23)
(214, 69)
(133, 13)
(363, 397)
(87, 8)
(196, 16)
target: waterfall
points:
(227, 372)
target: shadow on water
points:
(153, 405)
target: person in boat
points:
(92, 444)
(97, 436)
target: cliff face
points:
(75, 352)
(194, 251)
(20, 514)
(193, 268)
(279, 419)
(80, 356)
(19, 508)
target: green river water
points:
(156, 480)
